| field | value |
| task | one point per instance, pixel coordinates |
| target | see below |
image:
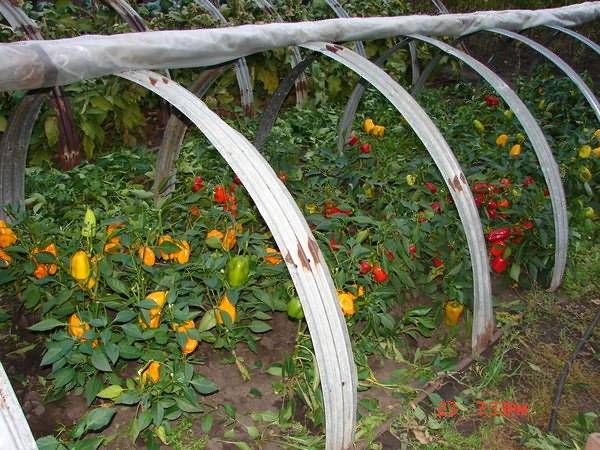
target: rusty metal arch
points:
(69, 154)
(347, 119)
(540, 146)
(559, 62)
(423, 126)
(13, 152)
(301, 253)
(164, 168)
(241, 66)
(272, 109)
(295, 55)
(345, 124)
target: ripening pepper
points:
(585, 174)
(360, 290)
(151, 373)
(7, 235)
(238, 269)
(213, 239)
(596, 152)
(499, 234)
(220, 194)
(43, 270)
(585, 151)
(597, 134)
(160, 298)
(163, 254)
(226, 307)
(190, 344)
(515, 150)
(147, 255)
(183, 255)
(76, 327)
(80, 266)
(272, 256)
(502, 140)
(508, 114)
(588, 212)
(452, 312)
(499, 264)
(114, 241)
(368, 125)
(479, 126)
(311, 208)
(411, 180)
(5, 259)
(378, 130)
(229, 240)
(347, 300)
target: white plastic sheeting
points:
(27, 65)
(14, 430)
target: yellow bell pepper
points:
(151, 373)
(80, 266)
(76, 327)
(515, 150)
(190, 344)
(368, 125)
(7, 235)
(585, 151)
(147, 255)
(229, 240)
(502, 140)
(227, 307)
(183, 255)
(347, 300)
(452, 312)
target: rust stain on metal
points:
(332, 48)
(304, 260)
(152, 81)
(313, 247)
(455, 183)
(288, 259)
(463, 179)
(165, 80)
(3, 402)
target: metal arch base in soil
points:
(417, 118)
(302, 255)
(295, 55)
(242, 73)
(540, 146)
(274, 106)
(13, 152)
(165, 173)
(347, 119)
(591, 44)
(69, 144)
(559, 62)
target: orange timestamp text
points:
(449, 408)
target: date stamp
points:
(488, 408)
